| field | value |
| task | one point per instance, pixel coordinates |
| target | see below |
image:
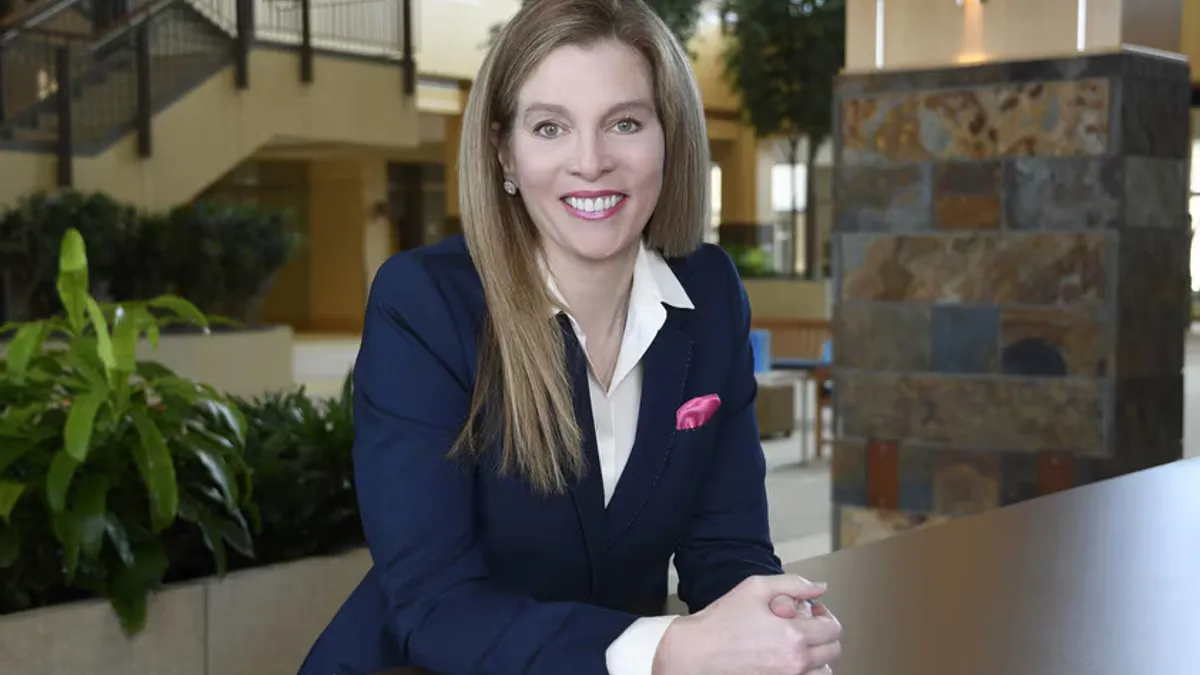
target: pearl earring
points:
(510, 187)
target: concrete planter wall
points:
(243, 363)
(255, 622)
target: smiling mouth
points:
(594, 208)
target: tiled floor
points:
(798, 494)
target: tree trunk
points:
(810, 211)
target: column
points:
(345, 198)
(1011, 283)
(746, 213)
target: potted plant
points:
(103, 456)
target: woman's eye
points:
(627, 126)
(547, 130)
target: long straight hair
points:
(523, 397)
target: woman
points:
(550, 409)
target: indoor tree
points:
(781, 58)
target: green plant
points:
(224, 257)
(102, 455)
(30, 235)
(300, 452)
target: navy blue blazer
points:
(473, 572)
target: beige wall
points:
(215, 127)
(1002, 29)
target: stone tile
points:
(883, 199)
(1018, 477)
(1148, 414)
(966, 195)
(881, 129)
(985, 413)
(858, 526)
(1153, 302)
(916, 478)
(1051, 269)
(1056, 472)
(849, 472)
(1063, 194)
(1049, 341)
(964, 338)
(965, 483)
(1156, 193)
(876, 336)
(1053, 119)
(883, 481)
(959, 123)
(921, 268)
(1155, 118)
(1035, 268)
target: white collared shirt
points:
(615, 414)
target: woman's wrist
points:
(675, 648)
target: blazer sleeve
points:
(729, 536)
(411, 397)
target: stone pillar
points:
(1011, 283)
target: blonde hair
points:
(523, 395)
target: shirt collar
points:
(654, 284)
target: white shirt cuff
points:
(633, 652)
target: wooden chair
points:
(805, 344)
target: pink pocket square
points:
(696, 412)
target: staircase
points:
(73, 88)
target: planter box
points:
(259, 621)
(244, 363)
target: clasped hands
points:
(764, 626)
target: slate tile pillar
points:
(1011, 283)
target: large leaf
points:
(58, 480)
(130, 586)
(157, 469)
(91, 507)
(126, 329)
(104, 346)
(218, 470)
(10, 492)
(77, 434)
(22, 348)
(180, 308)
(73, 279)
(68, 531)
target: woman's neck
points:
(596, 293)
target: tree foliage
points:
(781, 59)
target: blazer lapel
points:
(664, 376)
(588, 492)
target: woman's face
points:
(586, 150)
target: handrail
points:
(119, 28)
(34, 14)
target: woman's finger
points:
(825, 654)
(820, 630)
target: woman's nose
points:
(592, 158)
